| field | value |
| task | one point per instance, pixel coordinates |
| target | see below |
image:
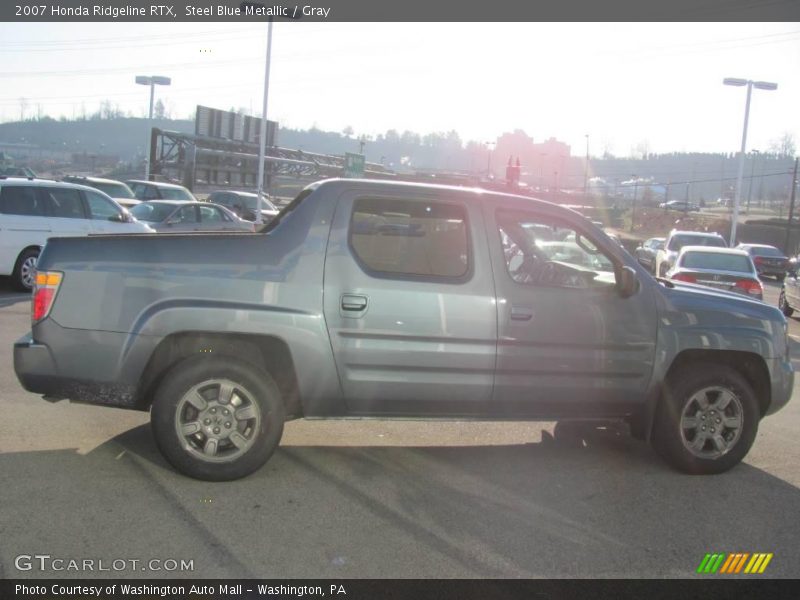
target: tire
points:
(218, 443)
(787, 310)
(696, 450)
(24, 274)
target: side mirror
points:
(119, 218)
(627, 282)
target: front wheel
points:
(707, 420)
(787, 310)
(217, 419)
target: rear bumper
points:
(36, 370)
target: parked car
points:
(32, 210)
(244, 204)
(368, 298)
(789, 298)
(158, 190)
(767, 259)
(666, 257)
(681, 205)
(177, 216)
(726, 269)
(647, 250)
(117, 190)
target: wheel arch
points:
(266, 353)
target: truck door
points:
(568, 343)
(409, 304)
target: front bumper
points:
(782, 383)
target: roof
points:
(95, 179)
(697, 233)
(162, 184)
(176, 202)
(758, 246)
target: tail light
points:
(750, 287)
(44, 292)
(684, 277)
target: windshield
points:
(115, 190)
(716, 262)
(153, 212)
(679, 241)
(766, 251)
(176, 194)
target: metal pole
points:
(738, 195)
(149, 127)
(262, 142)
(750, 187)
(633, 207)
(791, 210)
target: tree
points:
(158, 109)
(23, 104)
(784, 145)
(348, 131)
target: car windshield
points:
(714, 261)
(679, 241)
(153, 212)
(115, 190)
(766, 251)
(175, 194)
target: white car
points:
(33, 210)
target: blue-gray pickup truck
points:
(384, 299)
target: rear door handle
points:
(521, 313)
(354, 302)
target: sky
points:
(622, 84)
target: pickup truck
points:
(391, 300)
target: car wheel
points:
(707, 420)
(217, 419)
(784, 305)
(25, 270)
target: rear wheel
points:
(707, 420)
(217, 419)
(784, 305)
(25, 270)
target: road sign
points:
(353, 165)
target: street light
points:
(633, 204)
(152, 81)
(759, 85)
(755, 153)
(489, 148)
(586, 169)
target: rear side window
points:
(211, 214)
(64, 202)
(410, 238)
(21, 200)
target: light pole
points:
(152, 81)
(759, 85)
(755, 153)
(262, 138)
(633, 204)
(489, 147)
(586, 169)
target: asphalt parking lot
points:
(380, 499)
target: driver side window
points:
(541, 251)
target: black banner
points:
(408, 10)
(710, 588)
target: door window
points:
(187, 214)
(21, 200)
(211, 214)
(540, 251)
(100, 208)
(405, 238)
(65, 203)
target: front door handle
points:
(521, 313)
(354, 302)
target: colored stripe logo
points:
(735, 563)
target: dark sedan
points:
(646, 252)
(726, 269)
(767, 259)
(178, 216)
(244, 204)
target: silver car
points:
(176, 216)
